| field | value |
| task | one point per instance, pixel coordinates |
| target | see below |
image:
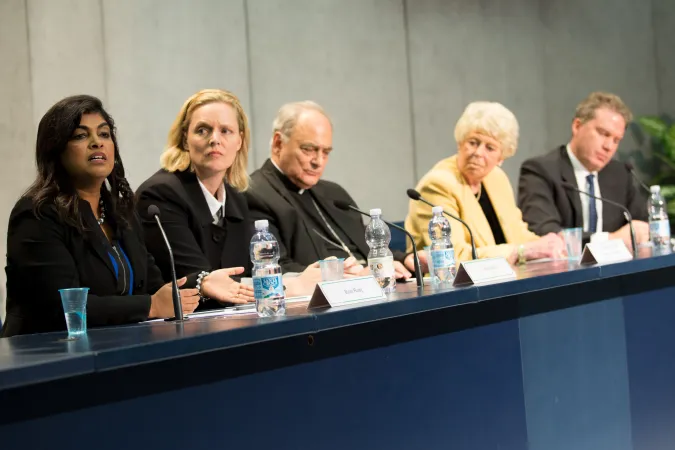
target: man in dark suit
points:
(288, 192)
(585, 163)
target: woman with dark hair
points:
(76, 227)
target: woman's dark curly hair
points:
(53, 185)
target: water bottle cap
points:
(437, 209)
(655, 189)
(261, 224)
(376, 212)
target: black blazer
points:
(45, 255)
(269, 199)
(198, 245)
(548, 207)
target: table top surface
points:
(42, 357)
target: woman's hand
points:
(549, 246)
(219, 286)
(161, 303)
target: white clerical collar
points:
(282, 172)
(576, 164)
(214, 204)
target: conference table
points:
(563, 357)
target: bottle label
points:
(382, 269)
(268, 286)
(659, 229)
(443, 258)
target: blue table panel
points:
(562, 358)
(461, 390)
(575, 378)
(650, 345)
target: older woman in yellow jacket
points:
(471, 185)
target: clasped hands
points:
(551, 245)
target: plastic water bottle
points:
(659, 226)
(268, 287)
(442, 252)
(380, 258)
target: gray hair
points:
(493, 119)
(287, 117)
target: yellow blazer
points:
(444, 186)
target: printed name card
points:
(488, 270)
(605, 252)
(345, 292)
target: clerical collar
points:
(287, 182)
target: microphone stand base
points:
(173, 319)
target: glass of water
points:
(430, 264)
(573, 241)
(331, 269)
(74, 302)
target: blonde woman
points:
(471, 185)
(199, 192)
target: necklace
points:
(102, 218)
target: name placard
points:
(345, 292)
(488, 270)
(604, 252)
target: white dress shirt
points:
(213, 202)
(580, 173)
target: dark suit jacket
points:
(548, 207)
(269, 199)
(198, 245)
(45, 255)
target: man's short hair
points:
(287, 117)
(586, 109)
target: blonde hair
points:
(287, 117)
(492, 119)
(177, 158)
(596, 100)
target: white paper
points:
(346, 291)
(605, 252)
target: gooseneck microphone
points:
(631, 169)
(153, 211)
(626, 213)
(414, 195)
(418, 271)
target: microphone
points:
(626, 213)
(414, 195)
(631, 169)
(153, 211)
(339, 204)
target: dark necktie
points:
(592, 212)
(218, 216)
